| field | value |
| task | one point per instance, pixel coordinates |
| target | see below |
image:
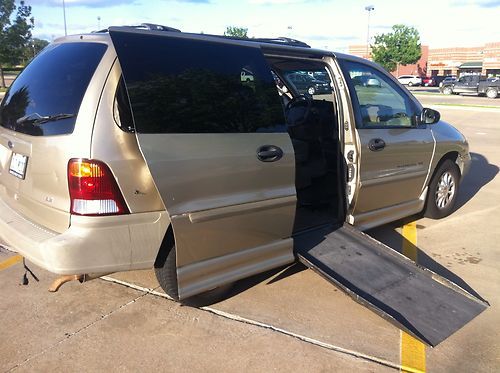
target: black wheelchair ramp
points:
(417, 300)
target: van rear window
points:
(45, 98)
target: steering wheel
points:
(303, 101)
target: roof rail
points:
(282, 40)
(146, 26)
(279, 40)
(155, 27)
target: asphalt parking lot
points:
(285, 320)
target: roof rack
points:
(155, 27)
(282, 40)
(146, 26)
(279, 40)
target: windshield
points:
(46, 96)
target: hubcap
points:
(445, 190)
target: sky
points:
(332, 25)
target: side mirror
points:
(429, 116)
(373, 82)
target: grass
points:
(427, 93)
(3, 90)
(469, 105)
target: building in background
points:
(419, 68)
(483, 60)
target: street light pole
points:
(368, 8)
(64, 14)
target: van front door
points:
(217, 148)
(396, 150)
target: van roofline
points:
(268, 45)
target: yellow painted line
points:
(412, 350)
(10, 262)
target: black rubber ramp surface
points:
(417, 300)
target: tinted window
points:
(52, 84)
(310, 81)
(121, 108)
(381, 103)
(194, 86)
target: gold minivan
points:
(143, 147)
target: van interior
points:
(313, 125)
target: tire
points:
(311, 90)
(491, 93)
(410, 84)
(443, 191)
(166, 274)
(447, 91)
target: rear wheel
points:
(491, 93)
(166, 274)
(443, 190)
(311, 90)
(447, 90)
(410, 84)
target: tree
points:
(34, 47)
(399, 47)
(239, 32)
(15, 34)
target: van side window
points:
(381, 103)
(121, 108)
(194, 86)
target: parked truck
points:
(473, 84)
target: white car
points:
(410, 80)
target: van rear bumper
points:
(90, 244)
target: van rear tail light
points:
(93, 189)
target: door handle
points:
(269, 153)
(376, 144)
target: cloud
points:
(280, 2)
(322, 38)
(193, 1)
(103, 3)
(83, 3)
(489, 3)
(479, 3)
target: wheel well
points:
(167, 244)
(452, 156)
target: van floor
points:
(317, 164)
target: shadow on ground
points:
(388, 235)
(229, 291)
(481, 173)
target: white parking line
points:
(259, 324)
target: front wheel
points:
(447, 90)
(443, 191)
(491, 93)
(311, 90)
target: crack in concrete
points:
(71, 335)
(232, 317)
